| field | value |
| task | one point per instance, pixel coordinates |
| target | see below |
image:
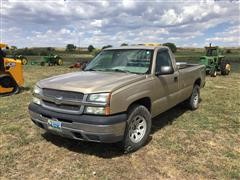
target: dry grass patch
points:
(183, 144)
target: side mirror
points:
(165, 70)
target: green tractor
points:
(215, 61)
(52, 60)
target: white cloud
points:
(230, 36)
(170, 17)
(97, 23)
(129, 4)
(53, 23)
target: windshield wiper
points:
(90, 70)
(124, 71)
(113, 70)
(121, 70)
(94, 70)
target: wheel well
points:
(146, 101)
(198, 82)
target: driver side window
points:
(163, 59)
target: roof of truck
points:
(135, 47)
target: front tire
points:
(8, 82)
(213, 72)
(193, 100)
(138, 128)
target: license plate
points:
(54, 125)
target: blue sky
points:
(34, 23)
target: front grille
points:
(65, 95)
(62, 106)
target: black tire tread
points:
(190, 99)
(127, 145)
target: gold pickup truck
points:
(116, 96)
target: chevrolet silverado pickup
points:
(116, 96)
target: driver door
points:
(166, 85)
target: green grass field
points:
(202, 144)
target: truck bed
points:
(184, 65)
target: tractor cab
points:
(213, 51)
(11, 77)
(214, 60)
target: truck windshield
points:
(130, 60)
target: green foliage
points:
(90, 48)
(124, 44)
(50, 49)
(13, 48)
(95, 52)
(26, 51)
(228, 51)
(107, 46)
(44, 53)
(172, 46)
(70, 47)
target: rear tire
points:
(193, 101)
(137, 129)
(225, 67)
(59, 62)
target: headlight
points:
(101, 97)
(36, 100)
(37, 90)
(95, 110)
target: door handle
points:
(175, 79)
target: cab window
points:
(163, 59)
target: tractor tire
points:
(213, 72)
(207, 72)
(59, 62)
(16, 90)
(7, 81)
(225, 67)
(24, 61)
(138, 128)
(193, 101)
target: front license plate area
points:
(54, 125)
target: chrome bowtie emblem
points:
(58, 100)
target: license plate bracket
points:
(54, 125)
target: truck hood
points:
(90, 82)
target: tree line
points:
(69, 48)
